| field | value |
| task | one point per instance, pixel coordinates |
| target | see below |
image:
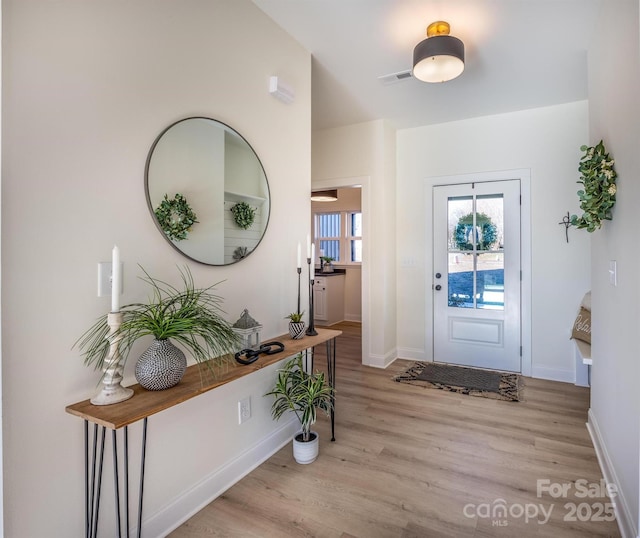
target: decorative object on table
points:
(248, 329)
(566, 220)
(296, 325)
(243, 215)
(599, 194)
(240, 253)
(161, 366)
(112, 391)
(325, 264)
(484, 235)
(471, 381)
(191, 317)
(311, 255)
(303, 393)
(175, 217)
(248, 356)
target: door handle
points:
(438, 287)
(438, 275)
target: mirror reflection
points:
(207, 191)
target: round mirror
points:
(207, 191)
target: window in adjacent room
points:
(339, 236)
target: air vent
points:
(395, 77)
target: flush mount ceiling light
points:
(324, 196)
(440, 57)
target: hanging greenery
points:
(175, 217)
(486, 233)
(243, 214)
(599, 194)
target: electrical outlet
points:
(244, 409)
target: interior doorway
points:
(362, 184)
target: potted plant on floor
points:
(189, 316)
(303, 393)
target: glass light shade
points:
(438, 59)
(324, 196)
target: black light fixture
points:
(324, 196)
(440, 57)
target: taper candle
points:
(116, 278)
(308, 246)
(299, 256)
(313, 261)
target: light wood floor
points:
(407, 460)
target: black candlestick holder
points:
(299, 273)
(311, 330)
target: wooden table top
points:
(196, 381)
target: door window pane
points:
(330, 248)
(460, 223)
(490, 281)
(490, 221)
(460, 279)
(356, 250)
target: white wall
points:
(367, 151)
(546, 141)
(614, 117)
(87, 88)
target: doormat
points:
(471, 381)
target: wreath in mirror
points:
(243, 214)
(599, 194)
(175, 217)
(486, 232)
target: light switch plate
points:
(104, 279)
(613, 272)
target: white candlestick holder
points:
(112, 391)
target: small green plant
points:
(303, 393)
(599, 194)
(243, 214)
(295, 317)
(191, 317)
(175, 217)
(327, 259)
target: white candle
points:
(116, 278)
(299, 256)
(308, 247)
(313, 261)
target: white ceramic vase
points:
(305, 453)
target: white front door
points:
(476, 286)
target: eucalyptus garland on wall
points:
(599, 194)
(243, 214)
(175, 217)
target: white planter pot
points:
(305, 452)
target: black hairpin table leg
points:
(331, 374)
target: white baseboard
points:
(624, 518)
(382, 361)
(353, 317)
(553, 374)
(201, 494)
(413, 354)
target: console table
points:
(144, 403)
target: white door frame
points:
(524, 175)
(365, 183)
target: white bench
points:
(583, 363)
